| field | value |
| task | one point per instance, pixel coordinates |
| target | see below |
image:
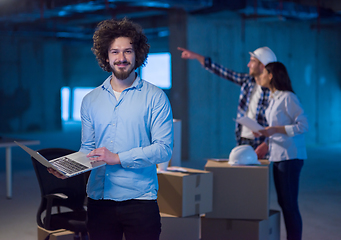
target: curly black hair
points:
(108, 30)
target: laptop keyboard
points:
(68, 165)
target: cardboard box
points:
(239, 192)
(185, 194)
(180, 228)
(60, 234)
(230, 229)
(274, 225)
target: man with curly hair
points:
(127, 123)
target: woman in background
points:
(286, 145)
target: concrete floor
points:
(320, 194)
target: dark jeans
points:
(286, 178)
(137, 219)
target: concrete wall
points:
(32, 71)
(310, 55)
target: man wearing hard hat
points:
(253, 98)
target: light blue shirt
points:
(285, 110)
(138, 127)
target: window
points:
(72, 98)
(65, 104)
(158, 70)
(78, 95)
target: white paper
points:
(249, 123)
(218, 159)
(177, 169)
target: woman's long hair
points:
(280, 77)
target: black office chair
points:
(62, 200)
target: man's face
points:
(265, 79)
(255, 67)
(121, 57)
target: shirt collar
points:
(276, 95)
(137, 84)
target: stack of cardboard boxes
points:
(183, 196)
(221, 202)
(240, 204)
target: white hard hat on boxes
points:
(243, 155)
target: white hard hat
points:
(243, 155)
(265, 55)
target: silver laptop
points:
(69, 165)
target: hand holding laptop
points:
(56, 173)
(67, 166)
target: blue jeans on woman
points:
(286, 178)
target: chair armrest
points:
(56, 195)
(49, 199)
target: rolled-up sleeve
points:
(295, 111)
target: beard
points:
(254, 73)
(122, 74)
